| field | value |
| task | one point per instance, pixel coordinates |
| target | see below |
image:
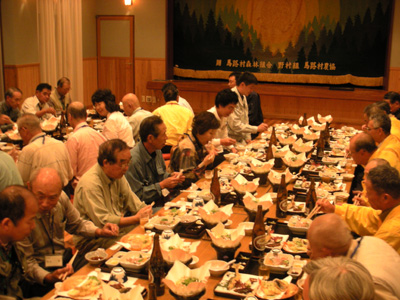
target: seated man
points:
(9, 109)
(18, 209)
(238, 122)
(394, 102)
(37, 104)
(178, 119)
(47, 256)
(103, 195)
(382, 219)
(337, 278)
(181, 101)
(378, 107)
(60, 97)
(135, 113)
(329, 235)
(83, 144)
(41, 151)
(147, 173)
(379, 127)
(225, 103)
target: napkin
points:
(242, 185)
(326, 119)
(212, 214)
(300, 146)
(251, 202)
(275, 177)
(176, 248)
(260, 167)
(226, 238)
(280, 152)
(292, 160)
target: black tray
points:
(191, 231)
(143, 273)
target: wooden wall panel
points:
(25, 77)
(89, 79)
(148, 69)
(394, 79)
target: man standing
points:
(41, 151)
(135, 113)
(382, 219)
(103, 194)
(238, 122)
(60, 97)
(37, 104)
(253, 101)
(178, 119)
(329, 235)
(9, 109)
(83, 144)
(44, 248)
(147, 175)
(18, 209)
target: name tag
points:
(51, 261)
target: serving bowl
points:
(96, 257)
(165, 222)
(278, 262)
(299, 225)
(217, 267)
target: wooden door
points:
(115, 54)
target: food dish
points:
(82, 287)
(299, 225)
(135, 260)
(138, 242)
(296, 246)
(276, 289)
(296, 207)
(217, 267)
(165, 222)
(236, 285)
(278, 262)
(275, 241)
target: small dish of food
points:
(296, 246)
(217, 267)
(96, 257)
(299, 225)
(165, 222)
(278, 262)
(135, 260)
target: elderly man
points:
(178, 119)
(379, 127)
(103, 194)
(9, 109)
(47, 256)
(382, 219)
(329, 235)
(41, 151)
(135, 113)
(337, 278)
(83, 144)
(147, 173)
(37, 104)
(181, 101)
(60, 97)
(18, 209)
(238, 122)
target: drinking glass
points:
(263, 269)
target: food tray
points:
(191, 231)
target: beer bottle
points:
(311, 197)
(269, 154)
(281, 199)
(273, 140)
(304, 122)
(320, 146)
(63, 124)
(152, 292)
(215, 187)
(258, 233)
(156, 267)
(327, 135)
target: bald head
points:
(373, 163)
(76, 113)
(362, 146)
(131, 103)
(46, 176)
(328, 235)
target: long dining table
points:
(205, 252)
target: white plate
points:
(302, 210)
(220, 288)
(284, 237)
(287, 249)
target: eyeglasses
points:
(369, 129)
(124, 163)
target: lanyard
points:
(356, 249)
(38, 137)
(51, 232)
(82, 127)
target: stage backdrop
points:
(290, 41)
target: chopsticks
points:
(356, 202)
(70, 263)
(313, 212)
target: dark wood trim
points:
(169, 68)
